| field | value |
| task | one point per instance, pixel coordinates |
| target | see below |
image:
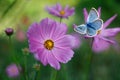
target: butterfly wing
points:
(97, 24)
(82, 29)
(93, 15)
(93, 27)
(91, 32)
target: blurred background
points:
(19, 14)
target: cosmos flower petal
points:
(36, 36)
(42, 56)
(99, 11)
(85, 13)
(111, 32)
(70, 12)
(33, 32)
(52, 11)
(63, 55)
(55, 29)
(109, 21)
(66, 41)
(108, 40)
(66, 8)
(36, 56)
(34, 45)
(100, 45)
(59, 7)
(53, 61)
(74, 26)
(44, 27)
(58, 30)
(76, 41)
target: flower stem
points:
(25, 65)
(10, 40)
(60, 19)
(53, 75)
(35, 75)
(64, 72)
(90, 70)
(12, 50)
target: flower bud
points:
(25, 51)
(36, 66)
(9, 31)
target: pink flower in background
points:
(13, 70)
(49, 42)
(58, 11)
(20, 34)
(103, 40)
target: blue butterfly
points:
(92, 25)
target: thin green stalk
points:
(64, 72)
(60, 19)
(10, 40)
(35, 75)
(12, 50)
(25, 64)
(53, 74)
(88, 67)
(36, 67)
(90, 70)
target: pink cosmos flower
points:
(49, 42)
(13, 70)
(58, 11)
(105, 36)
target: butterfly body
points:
(92, 25)
(89, 25)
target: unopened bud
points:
(9, 31)
(36, 66)
(25, 51)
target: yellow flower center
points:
(98, 32)
(49, 44)
(62, 12)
